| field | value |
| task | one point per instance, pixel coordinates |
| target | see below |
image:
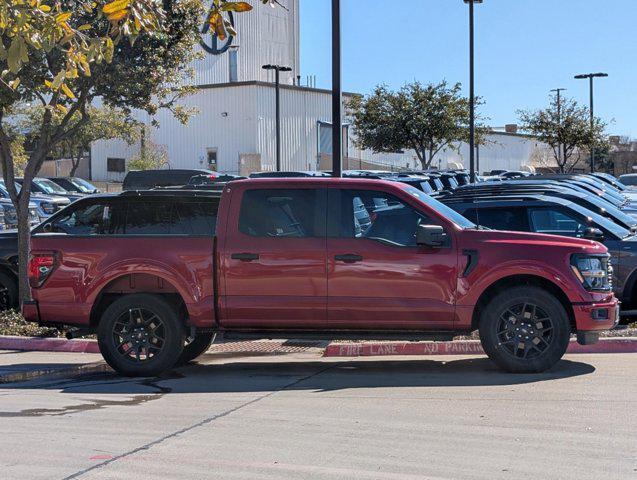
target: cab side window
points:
(283, 213)
(379, 216)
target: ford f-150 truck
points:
(156, 274)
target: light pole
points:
(472, 98)
(337, 92)
(558, 92)
(277, 69)
(590, 77)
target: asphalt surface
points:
(300, 416)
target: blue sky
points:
(524, 48)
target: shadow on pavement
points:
(266, 376)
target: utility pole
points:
(558, 91)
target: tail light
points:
(40, 267)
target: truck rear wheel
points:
(198, 346)
(525, 330)
(140, 335)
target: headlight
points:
(594, 271)
(48, 208)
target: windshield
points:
(47, 186)
(628, 179)
(442, 209)
(83, 185)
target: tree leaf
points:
(44, 8)
(67, 91)
(236, 7)
(62, 17)
(115, 6)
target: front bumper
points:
(591, 318)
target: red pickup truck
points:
(157, 274)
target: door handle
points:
(348, 258)
(245, 257)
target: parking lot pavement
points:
(300, 416)
(17, 366)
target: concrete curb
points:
(51, 372)
(462, 347)
(36, 344)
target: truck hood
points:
(524, 240)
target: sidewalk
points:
(16, 366)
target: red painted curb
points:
(48, 344)
(462, 347)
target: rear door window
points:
(283, 213)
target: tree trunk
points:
(75, 162)
(24, 244)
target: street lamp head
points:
(590, 75)
(474, 1)
(276, 67)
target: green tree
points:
(151, 155)
(566, 128)
(104, 123)
(133, 54)
(426, 119)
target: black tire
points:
(140, 335)
(197, 347)
(528, 316)
(8, 291)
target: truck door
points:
(274, 259)
(378, 278)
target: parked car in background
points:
(556, 216)
(75, 185)
(515, 174)
(289, 174)
(45, 205)
(9, 252)
(147, 179)
(590, 202)
(629, 180)
(290, 258)
(45, 186)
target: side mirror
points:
(592, 233)
(431, 236)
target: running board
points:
(628, 313)
(408, 336)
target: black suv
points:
(557, 216)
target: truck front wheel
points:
(198, 346)
(524, 330)
(140, 335)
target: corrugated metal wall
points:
(265, 36)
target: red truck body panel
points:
(296, 283)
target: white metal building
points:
(234, 129)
